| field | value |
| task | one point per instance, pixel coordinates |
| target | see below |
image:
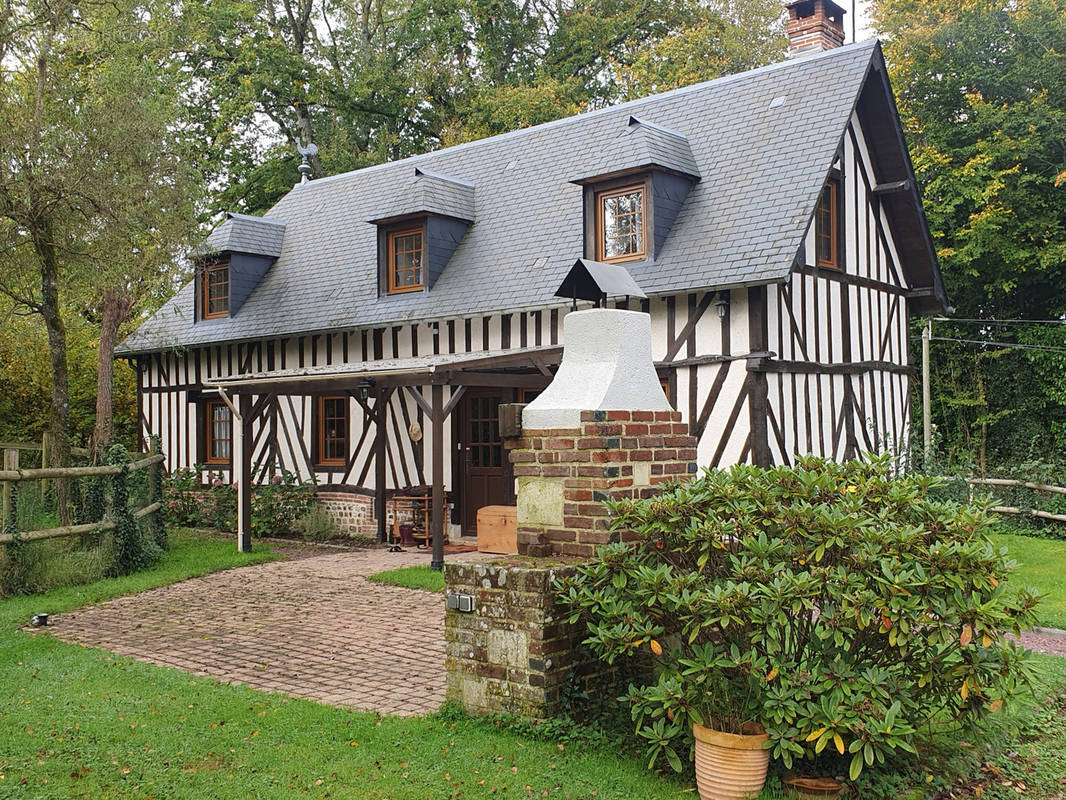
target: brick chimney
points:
(814, 26)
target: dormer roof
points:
(428, 192)
(242, 233)
(641, 145)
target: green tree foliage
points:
(715, 39)
(981, 87)
(25, 381)
(97, 188)
(386, 79)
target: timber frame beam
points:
(818, 368)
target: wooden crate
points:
(497, 529)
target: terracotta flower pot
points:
(730, 766)
(812, 788)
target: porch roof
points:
(520, 366)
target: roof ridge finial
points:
(310, 151)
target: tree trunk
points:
(115, 307)
(59, 418)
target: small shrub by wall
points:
(276, 505)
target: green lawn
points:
(1043, 566)
(412, 578)
(1031, 761)
(1018, 755)
(82, 723)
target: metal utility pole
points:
(927, 410)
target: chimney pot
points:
(814, 26)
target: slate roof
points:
(641, 144)
(429, 193)
(763, 141)
(243, 233)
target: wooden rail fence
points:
(44, 447)
(11, 476)
(1010, 482)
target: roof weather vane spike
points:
(310, 151)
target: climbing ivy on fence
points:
(135, 549)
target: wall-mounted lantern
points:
(721, 305)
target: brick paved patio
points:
(310, 627)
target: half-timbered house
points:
(364, 331)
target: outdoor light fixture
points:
(722, 305)
(365, 385)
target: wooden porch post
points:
(437, 517)
(380, 454)
(242, 465)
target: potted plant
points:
(730, 766)
(820, 603)
(711, 690)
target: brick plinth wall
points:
(353, 512)
(564, 475)
(515, 651)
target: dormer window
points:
(405, 256)
(232, 261)
(419, 229)
(621, 233)
(634, 188)
(214, 282)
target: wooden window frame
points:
(390, 255)
(320, 430)
(205, 307)
(668, 381)
(834, 188)
(209, 433)
(605, 193)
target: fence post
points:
(126, 550)
(155, 494)
(10, 495)
(46, 451)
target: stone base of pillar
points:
(514, 652)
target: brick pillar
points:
(509, 647)
(565, 474)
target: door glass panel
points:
(486, 447)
